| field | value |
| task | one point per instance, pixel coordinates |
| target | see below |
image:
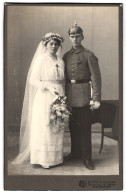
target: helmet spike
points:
(75, 23)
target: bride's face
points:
(52, 46)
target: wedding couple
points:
(48, 76)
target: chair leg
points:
(102, 139)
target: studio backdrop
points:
(26, 25)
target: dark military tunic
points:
(81, 64)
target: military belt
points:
(78, 81)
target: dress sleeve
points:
(35, 78)
(64, 75)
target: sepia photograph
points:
(63, 89)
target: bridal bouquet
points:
(59, 115)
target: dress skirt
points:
(46, 147)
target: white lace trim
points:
(48, 148)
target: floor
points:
(106, 163)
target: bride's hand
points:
(56, 93)
(52, 90)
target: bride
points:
(38, 143)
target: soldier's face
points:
(76, 40)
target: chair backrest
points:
(105, 114)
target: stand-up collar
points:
(78, 50)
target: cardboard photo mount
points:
(12, 108)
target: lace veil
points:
(30, 91)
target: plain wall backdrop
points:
(26, 25)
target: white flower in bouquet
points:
(65, 117)
(67, 112)
(58, 113)
(52, 117)
(55, 106)
(62, 108)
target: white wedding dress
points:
(46, 147)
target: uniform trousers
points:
(80, 131)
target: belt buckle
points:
(73, 81)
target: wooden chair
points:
(108, 116)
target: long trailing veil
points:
(25, 126)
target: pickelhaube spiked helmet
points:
(75, 30)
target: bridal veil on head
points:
(30, 91)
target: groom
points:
(82, 71)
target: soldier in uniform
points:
(82, 71)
